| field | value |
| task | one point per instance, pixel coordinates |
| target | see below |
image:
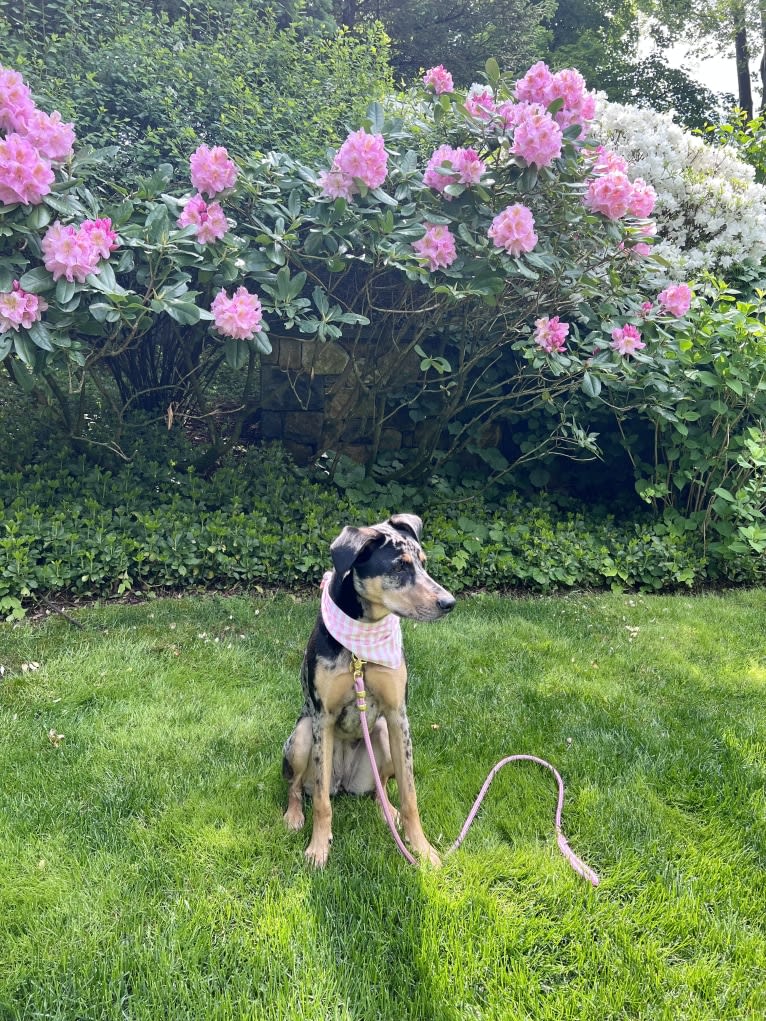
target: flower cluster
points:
(19, 308)
(710, 212)
(208, 219)
(238, 317)
(437, 248)
(211, 170)
(626, 340)
(438, 79)
(16, 103)
(362, 157)
(551, 334)
(612, 193)
(34, 140)
(537, 138)
(541, 85)
(480, 102)
(513, 229)
(75, 252)
(24, 175)
(676, 299)
(453, 166)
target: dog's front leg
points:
(401, 755)
(321, 834)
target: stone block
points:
(325, 358)
(301, 453)
(290, 353)
(272, 423)
(280, 392)
(303, 426)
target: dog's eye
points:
(400, 565)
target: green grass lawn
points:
(145, 872)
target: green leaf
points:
(591, 385)
(6, 343)
(375, 118)
(492, 69)
(261, 343)
(237, 353)
(25, 349)
(36, 281)
(184, 312)
(65, 290)
(40, 336)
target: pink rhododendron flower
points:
(537, 138)
(439, 79)
(52, 137)
(212, 170)
(432, 177)
(24, 175)
(646, 308)
(610, 194)
(641, 249)
(69, 252)
(540, 85)
(480, 102)
(238, 317)
(626, 340)
(362, 157)
(551, 334)
(506, 114)
(20, 308)
(579, 104)
(676, 299)
(536, 85)
(209, 219)
(101, 236)
(606, 161)
(643, 198)
(466, 164)
(16, 103)
(336, 185)
(437, 247)
(513, 229)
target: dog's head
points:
(388, 569)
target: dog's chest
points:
(385, 689)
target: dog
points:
(378, 576)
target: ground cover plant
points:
(74, 529)
(144, 866)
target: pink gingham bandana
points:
(380, 642)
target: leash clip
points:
(357, 669)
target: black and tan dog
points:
(378, 570)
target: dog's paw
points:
(294, 818)
(431, 857)
(317, 853)
(394, 814)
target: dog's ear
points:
(348, 545)
(410, 524)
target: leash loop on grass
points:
(577, 863)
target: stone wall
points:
(309, 405)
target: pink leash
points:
(577, 863)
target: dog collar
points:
(380, 642)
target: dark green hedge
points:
(70, 528)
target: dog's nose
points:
(445, 603)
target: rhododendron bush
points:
(710, 211)
(476, 255)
